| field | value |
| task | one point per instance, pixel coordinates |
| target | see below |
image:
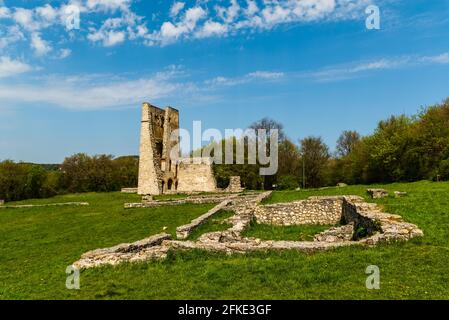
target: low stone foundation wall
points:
(184, 231)
(129, 190)
(378, 225)
(141, 250)
(21, 206)
(352, 211)
(326, 210)
(189, 200)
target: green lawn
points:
(214, 223)
(36, 245)
(293, 233)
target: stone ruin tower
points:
(158, 172)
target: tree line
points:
(78, 173)
(401, 148)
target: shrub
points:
(287, 183)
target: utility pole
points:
(303, 170)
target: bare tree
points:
(269, 124)
(346, 142)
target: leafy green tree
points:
(13, 181)
(316, 156)
(127, 171)
(75, 173)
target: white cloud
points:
(4, 12)
(110, 33)
(440, 59)
(114, 31)
(24, 17)
(176, 8)
(251, 8)
(240, 15)
(111, 91)
(40, 46)
(10, 67)
(64, 53)
(247, 78)
(115, 21)
(95, 92)
(266, 75)
(108, 5)
(48, 13)
(211, 28)
(192, 16)
(11, 35)
(113, 38)
(101, 91)
(230, 13)
(170, 32)
(349, 71)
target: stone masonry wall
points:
(196, 175)
(324, 210)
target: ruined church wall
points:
(197, 176)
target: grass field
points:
(36, 246)
(293, 233)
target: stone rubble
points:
(399, 194)
(377, 193)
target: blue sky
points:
(312, 65)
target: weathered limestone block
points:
(147, 199)
(399, 194)
(2, 202)
(377, 193)
(129, 190)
